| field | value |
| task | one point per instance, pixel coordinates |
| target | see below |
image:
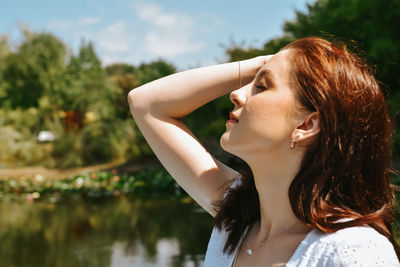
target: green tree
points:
(34, 70)
(4, 52)
(86, 87)
(155, 70)
(88, 99)
(126, 77)
(236, 52)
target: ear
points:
(308, 129)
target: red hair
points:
(344, 177)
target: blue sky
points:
(186, 33)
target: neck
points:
(273, 176)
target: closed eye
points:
(260, 87)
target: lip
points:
(232, 118)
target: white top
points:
(353, 246)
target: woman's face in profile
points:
(264, 113)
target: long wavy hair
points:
(344, 178)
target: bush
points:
(147, 182)
(98, 142)
(18, 139)
(67, 150)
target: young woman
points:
(312, 124)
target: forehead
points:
(277, 67)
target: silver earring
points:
(292, 145)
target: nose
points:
(238, 97)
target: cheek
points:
(270, 119)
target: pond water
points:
(118, 231)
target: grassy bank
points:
(151, 182)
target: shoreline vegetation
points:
(121, 166)
(30, 172)
(151, 181)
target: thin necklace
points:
(250, 250)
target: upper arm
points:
(201, 175)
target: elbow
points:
(131, 98)
(135, 100)
(142, 101)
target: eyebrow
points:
(268, 76)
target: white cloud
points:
(146, 11)
(153, 14)
(88, 21)
(170, 45)
(68, 24)
(60, 24)
(115, 42)
(154, 33)
(170, 34)
(111, 39)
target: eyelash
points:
(260, 87)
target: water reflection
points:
(115, 232)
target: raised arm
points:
(157, 108)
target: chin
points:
(224, 142)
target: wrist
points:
(248, 68)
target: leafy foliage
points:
(148, 182)
(35, 70)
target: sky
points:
(186, 33)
